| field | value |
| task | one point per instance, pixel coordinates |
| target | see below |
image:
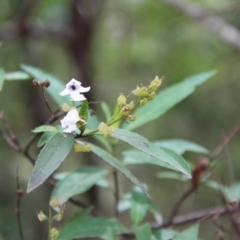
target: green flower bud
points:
(105, 129)
(121, 100)
(54, 233)
(58, 217)
(42, 216)
(143, 92)
(143, 102)
(132, 117)
(137, 91)
(54, 203)
(155, 84)
(130, 105)
(81, 148)
(125, 111)
(151, 95)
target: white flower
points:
(69, 121)
(75, 89)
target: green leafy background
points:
(132, 42)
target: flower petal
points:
(64, 92)
(75, 96)
(83, 89)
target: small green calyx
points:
(82, 148)
(105, 129)
(41, 216)
(132, 117)
(155, 84)
(54, 233)
(143, 101)
(121, 100)
(151, 95)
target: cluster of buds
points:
(57, 206)
(147, 93)
(105, 129)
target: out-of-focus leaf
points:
(78, 182)
(104, 142)
(118, 165)
(83, 227)
(190, 233)
(172, 175)
(143, 232)
(2, 76)
(232, 192)
(139, 206)
(167, 99)
(49, 159)
(156, 213)
(135, 156)
(103, 183)
(45, 138)
(17, 76)
(56, 85)
(165, 234)
(144, 145)
(106, 110)
(181, 146)
(45, 128)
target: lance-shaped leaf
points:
(49, 159)
(2, 74)
(118, 165)
(78, 182)
(141, 143)
(139, 206)
(86, 227)
(45, 128)
(167, 99)
(143, 232)
(181, 146)
(17, 76)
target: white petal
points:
(64, 92)
(75, 96)
(83, 89)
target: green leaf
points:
(141, 143)
(83, 227)
(49, 159)
(45, 128)
(45, 138)
(2, 75)
(139, 206)
(232, 192)
(167, 99)
(191, 233)
(56, 85)
(165, 234)
(118, 165)
(135, 156)
(143, 232)
(181, 146)
(17, 76)
(78, 182)
(172, 176)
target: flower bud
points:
(81, 148)
(155, 84)
(136, 91)
(36, 83)
(143, 102)
(65, 107)
(125, 111)
(121, 100)
(41, 216)
(45, 83)
(130, 105)
(58, 217)
(143, 92)
(54, 233)
(54, 203)
(151, 95)
(105, 129)
(132, 117)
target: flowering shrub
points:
(67, 129)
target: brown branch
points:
(18, 206)
(226, 31)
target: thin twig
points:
(226, 31)
(18, 206)
(116, 191)
(46, 101)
